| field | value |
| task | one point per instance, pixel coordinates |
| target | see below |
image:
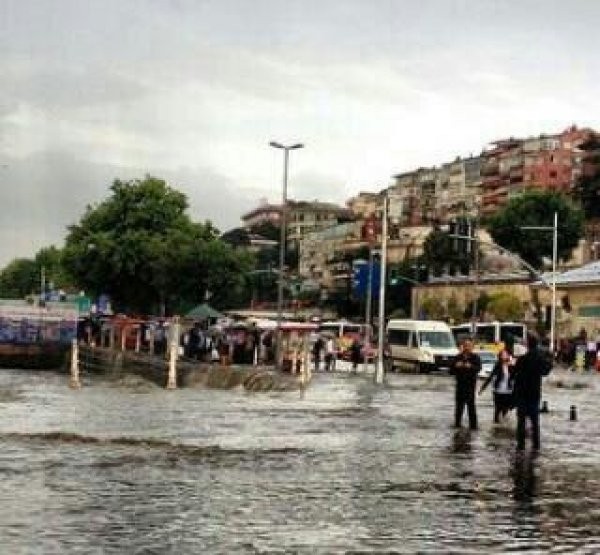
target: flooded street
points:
(350, 467)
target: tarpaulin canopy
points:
(203, 312)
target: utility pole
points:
(282, 240)
(476, 270)
(554, 229)
(382, 283)
(554, 263)
(368, 309)
(43, 285)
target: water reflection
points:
(525, 477)
(461, 442)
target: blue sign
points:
(360, 279)
(103, 304)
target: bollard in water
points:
(573, 413)
(173, 352)
(172, 376)
(544, 408)
(74, 382)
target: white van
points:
(420, 345)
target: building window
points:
(553, 174)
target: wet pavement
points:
(349, 467)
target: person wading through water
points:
(466, 367)
(502, 375)
(529, 370)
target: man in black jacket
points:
(529, 370)
(466, 367)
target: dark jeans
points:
(502, 404)
(317, 359)
(465, 397)
(531, 411)
(329, 362)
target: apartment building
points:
(302, 217)
(305, 217)
(322, 254)
(365, 204)
(552, 162)
(439, 194)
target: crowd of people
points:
(517, 384)
(587, 344)
(236, 345)
(326, 349)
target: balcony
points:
(490, 168)
(493, 182)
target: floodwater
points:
(348, 467)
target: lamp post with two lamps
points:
(282, 238)
(554, 229)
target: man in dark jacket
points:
(529, 370)
(466, 367)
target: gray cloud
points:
(43, 194)
(65, 88)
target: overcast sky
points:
(193, 91)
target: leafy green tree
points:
(439, 252)
(505, 307)
(51, 260)
(268, 230)
(237, 237)
(587, 192)
(479, 307)
(454, 310)
(140, 246)
(19, 278)
(537, 208)
(402, 278)
(22, 276)
(433, 308)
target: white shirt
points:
(330, 347)
(503, 385)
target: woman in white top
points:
(502, 374)
(330, 352)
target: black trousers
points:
(502, 404)
(532, 412)
(465, 396)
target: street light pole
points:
(368, 309)
(382, 282)
(554, 262)
(554, 229)
(282, 240)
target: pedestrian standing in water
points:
(465, 368)
(502, 376)
(529, 370)
(317, 349)
(330, 354)
(355, 354)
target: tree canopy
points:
(505, 306)
(440, 252)
(19, 278)
(537, 208)
(22, 276)
(141, 247)
(587, 192)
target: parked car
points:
(488, 359)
